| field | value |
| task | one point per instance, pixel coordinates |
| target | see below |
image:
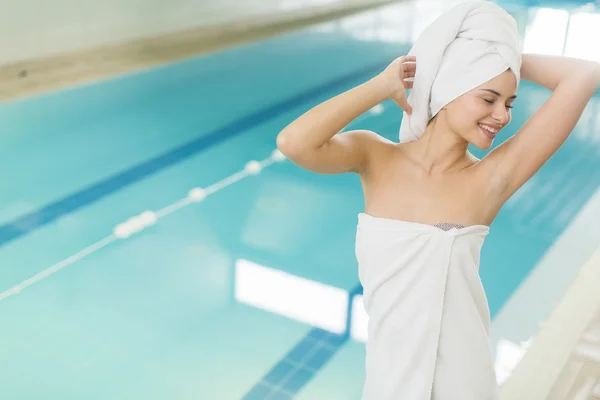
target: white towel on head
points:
(465, 47)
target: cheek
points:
(464, 116)
(473, 108)
(477, 110)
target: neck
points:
(441, 150)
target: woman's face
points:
(478, 115)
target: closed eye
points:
(491, 102)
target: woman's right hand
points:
(393, 79)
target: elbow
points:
(281, 142)
(295, 146)
(286, 145)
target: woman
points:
(428, 201)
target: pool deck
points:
(563, 361)
(33, 77)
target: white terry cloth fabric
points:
(461, 50)
(428, 313)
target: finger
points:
(403, 104)
(404, 59)
(405, 76)
(409, 67)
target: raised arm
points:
(573, 82)
(312, 142)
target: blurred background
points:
(155, 245)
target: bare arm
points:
(312, 142)
(573, 82)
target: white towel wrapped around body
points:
(428, 313)
(465, 47)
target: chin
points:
(482, 143)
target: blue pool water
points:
(160, 315)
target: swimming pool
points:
(247, 293)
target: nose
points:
(501, 114)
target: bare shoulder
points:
(351, 151)
(366, 137)
(378, 149)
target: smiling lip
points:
(487, 133)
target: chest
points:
(408, 194)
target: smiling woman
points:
(484, 107)
(426, 305)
